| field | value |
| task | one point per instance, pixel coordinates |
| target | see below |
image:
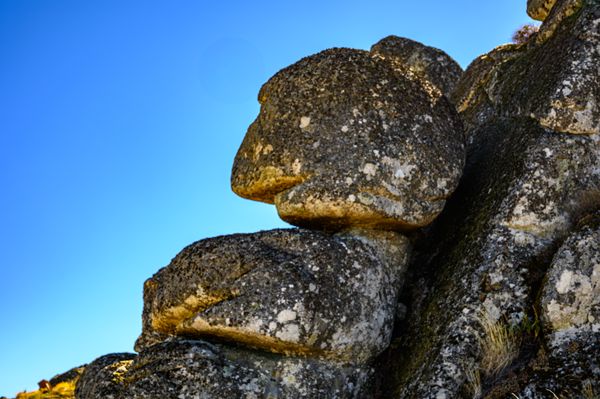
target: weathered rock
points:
(430, 63)
(562, 10)
(539, 9)
(558, 81)
(570, 299)
(553, 78)
(472, 93)
(287, 291)
(568, 365)
(344, 138)
(189, 369)
(103, 377)
(523, 189)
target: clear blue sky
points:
(119, 121)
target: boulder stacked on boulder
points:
(350, 144)
(364, 151)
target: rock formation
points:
(345, 138)
(531, 174)
(448, 241)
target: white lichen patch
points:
(547, 223)
(255, 325)
(574, 310)
(286, 315)
(401, 170)
(369, 169)
(289, 333)
(296, 166)
(564, 283)
(304, 122)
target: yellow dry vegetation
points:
(63, 390)
(499, 344)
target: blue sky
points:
(119, 121)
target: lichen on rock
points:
(296, 292)
(345, 138)
(189, 369)
(428, 62)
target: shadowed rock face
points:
(344, 138)
(471, 96)
(570, 312)
(430, 63)
(190, 369)
(571, 293)
(523, 190)
(296, 292)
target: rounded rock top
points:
(539, 9)
(345, 138)
(428, 62)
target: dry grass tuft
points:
(499, 344)
(588, 391)
(474, 382)
(63, 390)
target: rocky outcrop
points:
(570, 313)
(498, 297)
(527, 182)
(344, 138)
(430, 63)
(471, 95)
(296, 292)
(348, 142)
(523, 190)
(553, 78)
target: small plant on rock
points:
(474, 382)
(499, 344)
(524, 33)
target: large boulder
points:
(296, 292)
(570, 299)
(568, 365)
(191, 369)
(344, 138)
(557, 82)
(103, 377)
(428, 62)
